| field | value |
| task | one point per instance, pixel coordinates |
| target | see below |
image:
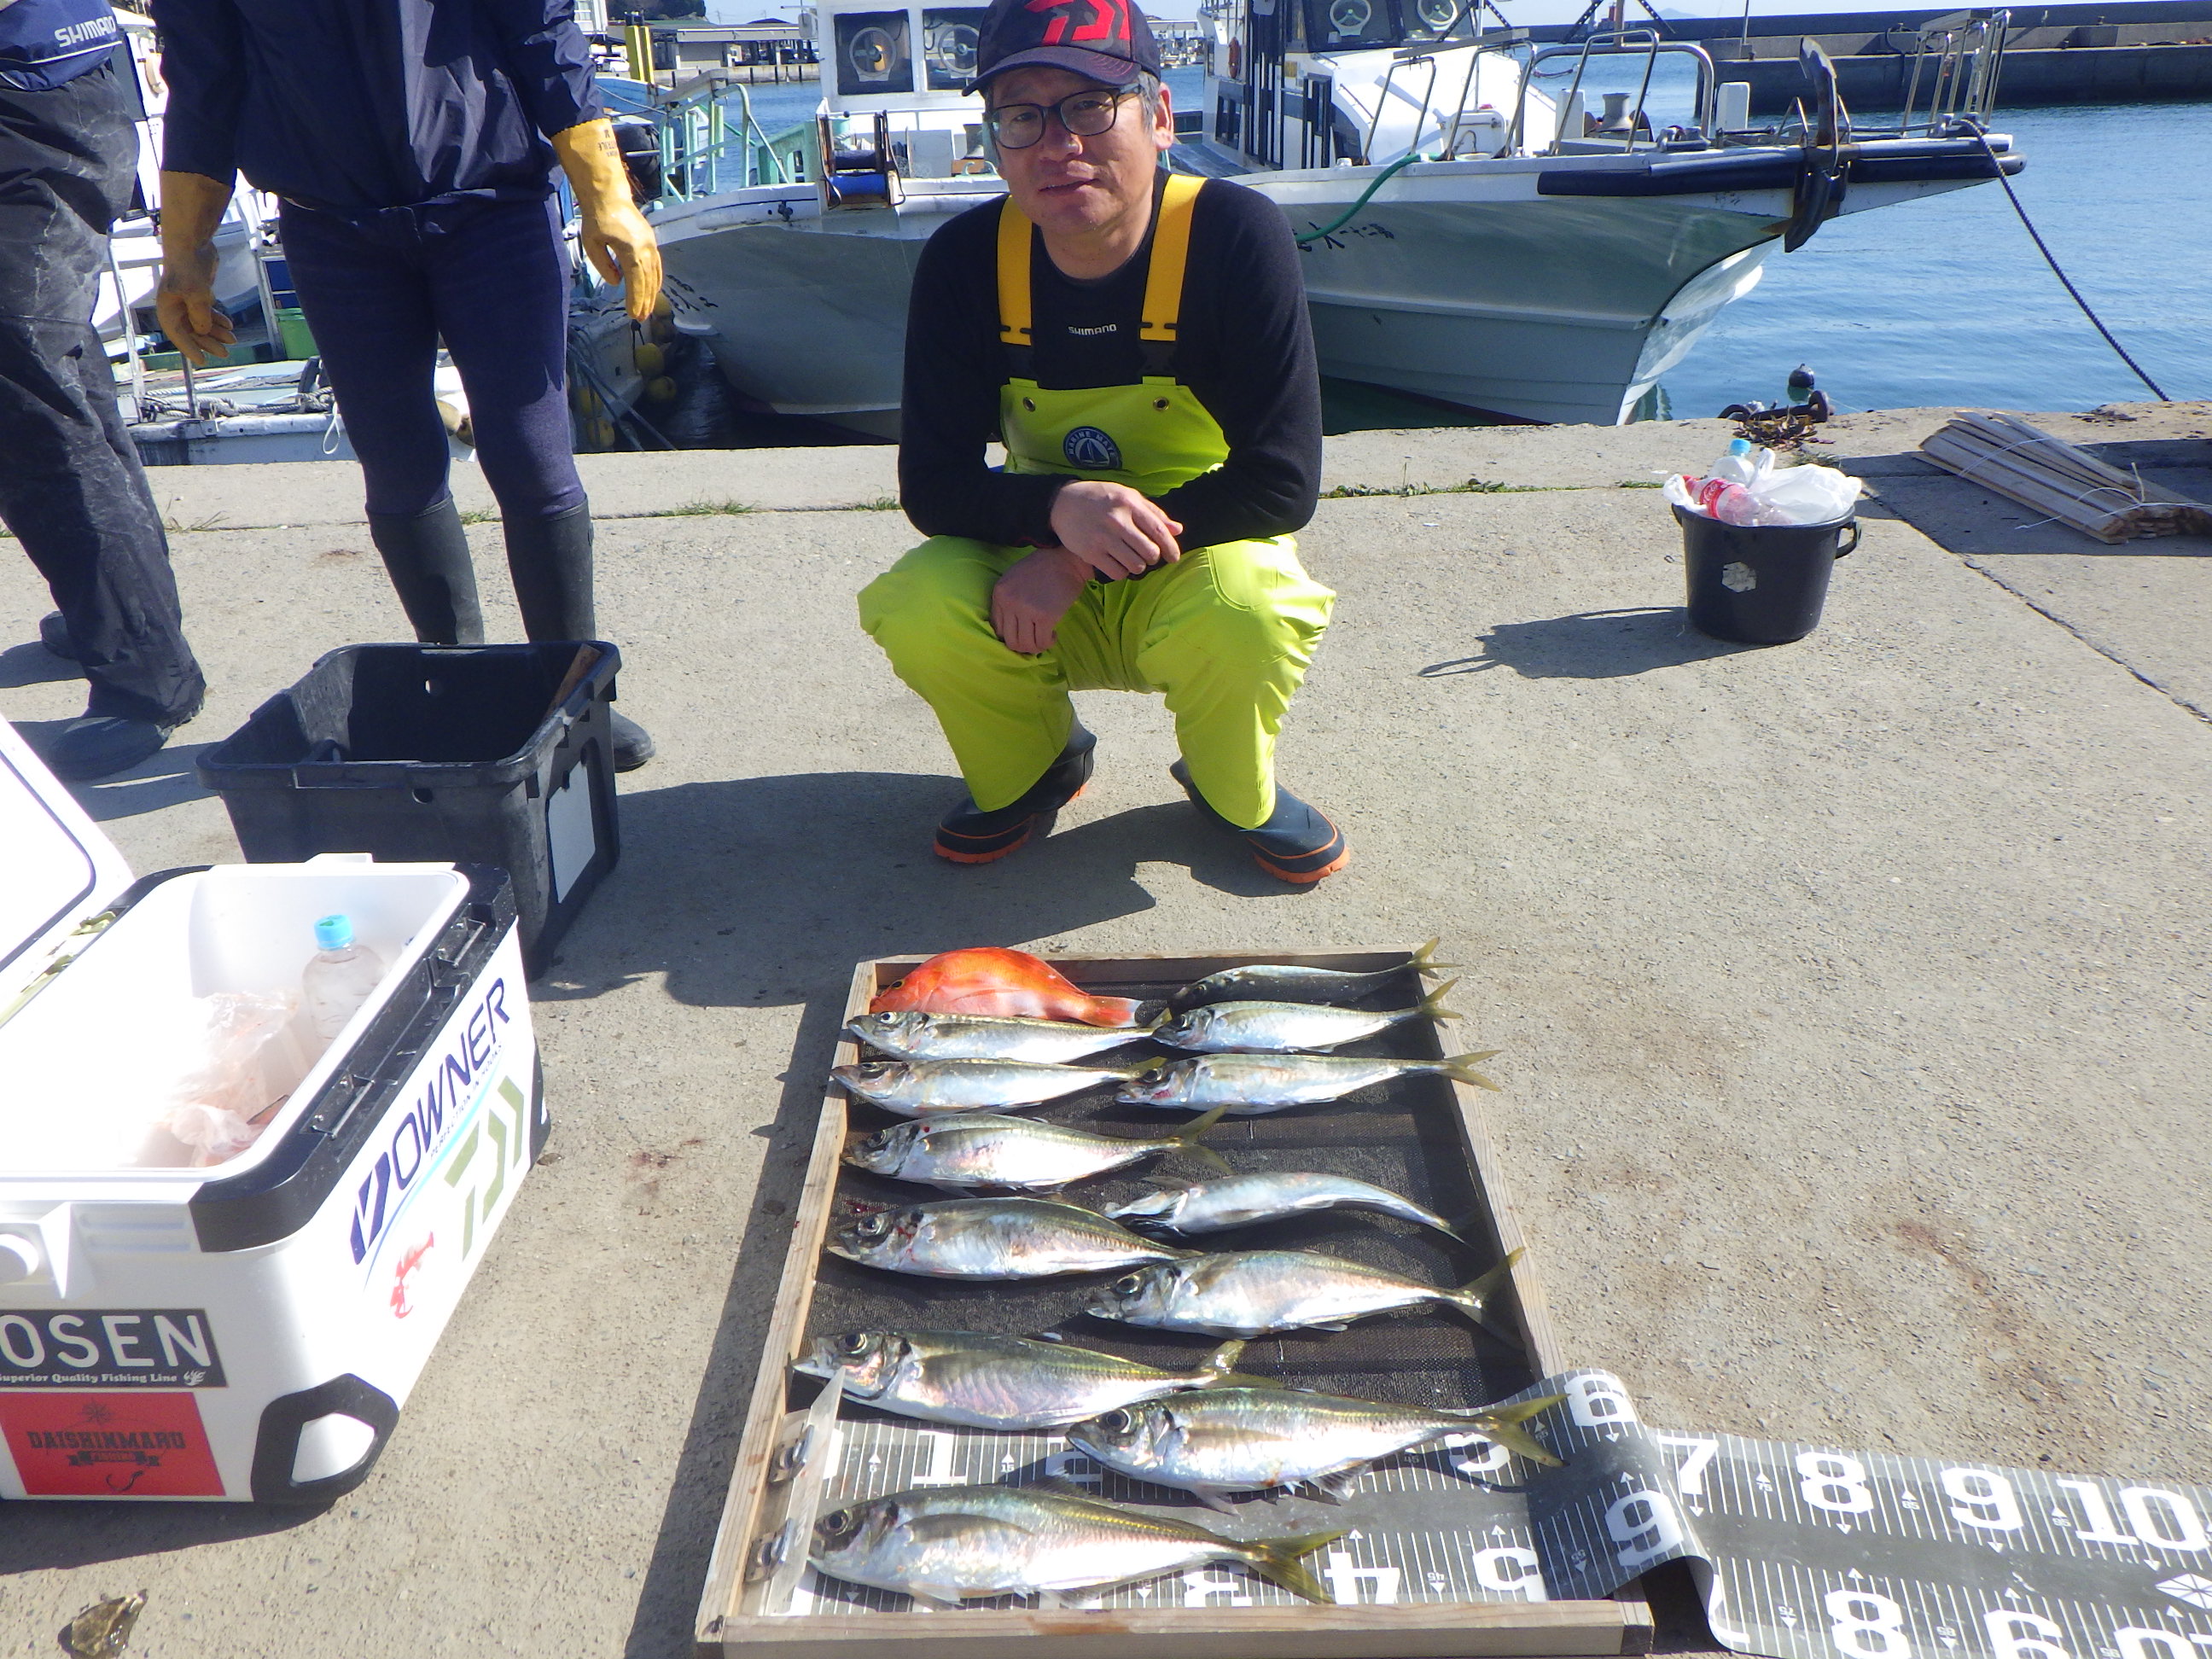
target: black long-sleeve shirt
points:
(1244, 347)
(355, 105)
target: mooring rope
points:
(2051, 260)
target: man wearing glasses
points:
(1139, 342)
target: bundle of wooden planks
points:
(2004, 452)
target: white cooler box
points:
(249, 1330)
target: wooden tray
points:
(1423, 1135)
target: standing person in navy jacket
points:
(71, 488)
(412, 143)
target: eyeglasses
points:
(1082, 115)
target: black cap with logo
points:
(1107, 40)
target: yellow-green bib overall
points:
(1225, 632)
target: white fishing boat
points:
(1485, 224)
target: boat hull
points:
(1543, 290)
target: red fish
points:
(1008, 984)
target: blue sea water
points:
(1944, 301)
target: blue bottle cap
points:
(1739, 445)
(334, 932)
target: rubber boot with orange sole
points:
(1297, 844)
(970, 836)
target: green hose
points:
(1374, 184)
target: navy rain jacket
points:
(352, 106)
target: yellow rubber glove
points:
(617, 239)
(192, 205)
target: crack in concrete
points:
(2174, 698)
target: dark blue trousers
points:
(71, 488)
(490, 278)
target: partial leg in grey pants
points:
(71, 488)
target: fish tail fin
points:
(1219, 1373)
(1503, 1424)
(1223, 1359)
(1472, 1298)
(1460, 1068)
(1282, 1559)
(1189, 1142)
(1426, 964)
(1433, 1002)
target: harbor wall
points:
(2146, 51)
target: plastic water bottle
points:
(1740, 465)
(338, 978)
(1731, 503)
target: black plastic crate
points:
(440, 754)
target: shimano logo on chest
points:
(1087, 446)
(1102, 328)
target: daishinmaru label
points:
(109, 1445)
(126, 1348)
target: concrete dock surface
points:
(1853, 993)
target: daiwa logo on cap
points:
(1087, 446)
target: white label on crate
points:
(124, 1348)
(441, 1095)
(569, 832)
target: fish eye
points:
(838, 1524)
(1127, 1285)
(1117, 1422)
(871, 1226)
(854, 1345)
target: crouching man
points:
(1137, 339)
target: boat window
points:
(873, 53)
(1436, 20)
(948, 46)
(1354, 25)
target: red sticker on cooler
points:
(109, 1445)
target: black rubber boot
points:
(1297, 844)
(428, 557)
(101, 745)
(550, 560)
(54, 635)
(970, 836)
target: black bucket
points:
(1760, 583)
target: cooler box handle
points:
(283, 1419)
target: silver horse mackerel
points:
(1251, 1439)
(1249, 1293)
(945, 1545)
(992, 1239)
(1288, 982)
(1245, 1200)
(917, 1035)
(914, 1088)
(978, 1381)
(1254, 1085)
(982, 1149)
(1277, 1028)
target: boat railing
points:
(1503, 41)
(1643, 42)
(701, 146)
(1960, 68)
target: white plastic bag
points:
(220, 1110)
(1807, 493)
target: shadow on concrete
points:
(1591, 645)
(32, 663)
(668, 1601)
(763, 891)
(39, 1536)
(167, 778)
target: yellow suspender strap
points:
(1170, 254)
(1163, 282)
(1014, 313)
